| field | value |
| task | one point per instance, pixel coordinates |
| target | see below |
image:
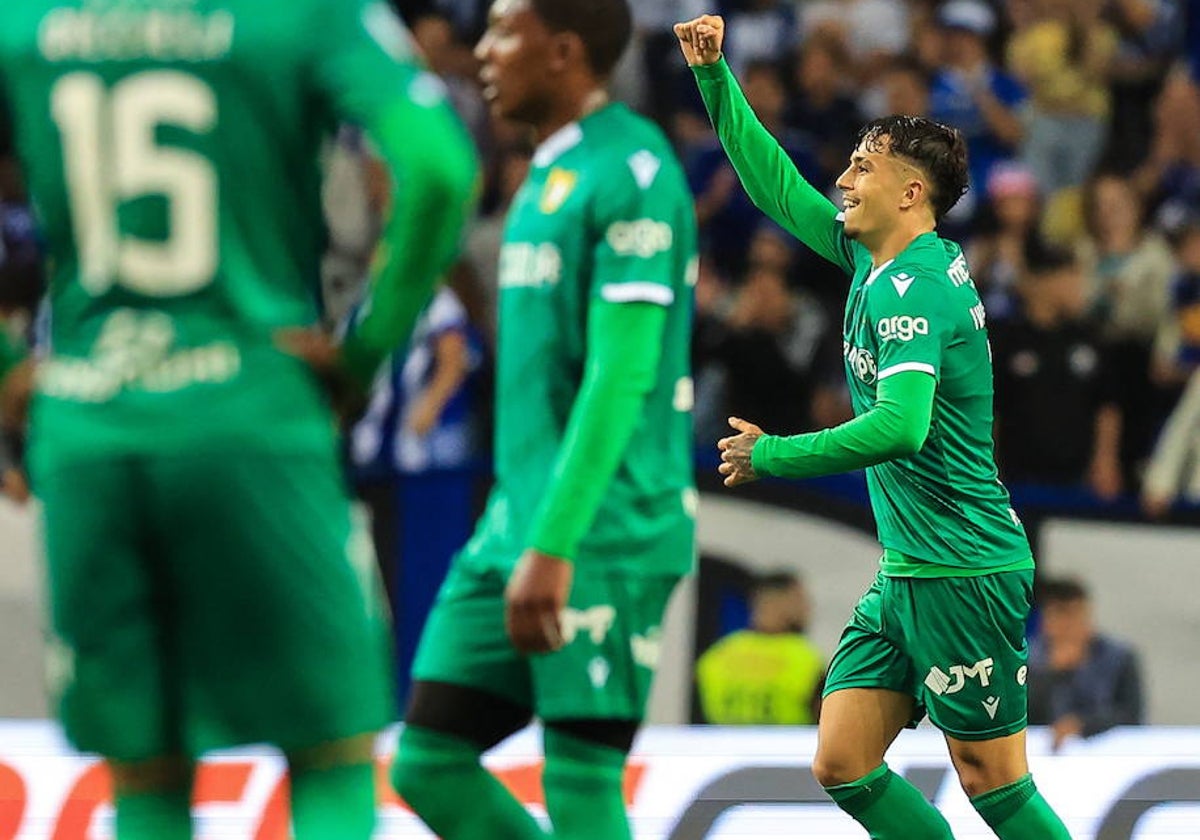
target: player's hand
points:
(321, 352)
(735, 453)
(701, 38)
(14, 486)
(16, 392)
(534, 600)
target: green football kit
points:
(198, 531)
(593, 425)
(944, 620)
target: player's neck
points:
(572, 108)
(888, 245)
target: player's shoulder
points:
(631, 149)
(924, 272)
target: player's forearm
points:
(768, 174)
(433, 170)
(895, 427)
(624, 345)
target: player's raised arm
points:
(768, 174)
(368, 74)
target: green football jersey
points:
(171, 148)
(604, 215)
(944, 509)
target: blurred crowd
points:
(1082, 224)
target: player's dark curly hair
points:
(936, 149)
(604, 26)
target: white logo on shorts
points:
(598, 671)
(991, 704)
(1022, 674)
(939, 682)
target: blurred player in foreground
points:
(196, 522)
(553, 608)
(942, 630)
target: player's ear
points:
(567, 50)
(914, 193)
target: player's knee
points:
(358, 749)
(978, 773)
(831, 769)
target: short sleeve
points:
(365, 59)
(910, 322)
(637, 212)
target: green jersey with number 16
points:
(171, 149)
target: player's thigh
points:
(856, 728)
(966, 637)
(983, 766)
(280, 639)
(109, 609)
(612, 628)
(464, 642)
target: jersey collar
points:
(557, 144)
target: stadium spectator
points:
(760, 31)
(1081, 682)
(1128, 267)
(1050, 354)
(769, 673)
(903, 89)
(1006, 224)
(780, 347)
(1062, 55)
(1173, 470)
(873, 30)
(971, 94)
(821, 104)
(1148, 33)
(1171, 172)
(727, 216)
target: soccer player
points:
(197, 527)
(553, 607)
(941, 631)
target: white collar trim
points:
(558, 144)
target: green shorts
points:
(205, 602)
(612, 628)
(956, 645)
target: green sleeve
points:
(768, 174)
(624, 345)
(367, 74)
(895, 427)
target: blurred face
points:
(906, 93)
(518, 58)
(817, 70)
(874, 186)
(964, 49)
(783, 610)
(765, 93)
(1016, 210)
(1067, 622)
(1115, 207)
(1188, 252)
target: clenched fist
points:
(701, 39)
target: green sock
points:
(1018, 812)
(583, 783)
(333, 803)
(440, 778)
(890, 808)
(154, 815)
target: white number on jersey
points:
(111, 156)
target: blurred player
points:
(942, 630)
(196, 523)
(553, 608)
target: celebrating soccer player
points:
(553, 608)
(941, 631)
(196, 522)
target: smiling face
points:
(518, 62)
(875, 187)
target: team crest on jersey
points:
(560, 183)
(860, 362)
